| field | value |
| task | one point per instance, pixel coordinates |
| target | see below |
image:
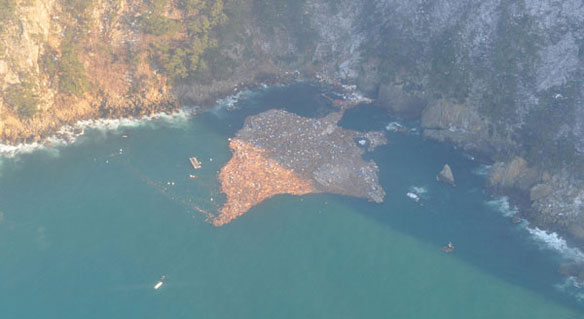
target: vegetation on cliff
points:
(76, 59)
(22, 98)
(7, 12)
(181, 41)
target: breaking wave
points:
(502, 205)
(231, 102)
(69, 134)
(545, 239)
(553, 241)
(482, 170)
(572, 286)
(395, 127)
(417, 192)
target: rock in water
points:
(446, 175)
(277, 152)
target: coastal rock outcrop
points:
(445, 175)
(400, 102)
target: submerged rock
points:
(446, 175)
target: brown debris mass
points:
(251, 176)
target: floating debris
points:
(195, 162)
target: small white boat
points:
(160, 282)
(413, 196)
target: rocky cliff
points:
(499, 78)
(502, 79)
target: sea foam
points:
(482, 170)
(502, 205)
(572, 286)
(69, 134)
(231, 102)
(394, 127)
(553, 241)
(417, 192)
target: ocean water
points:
(87, 229)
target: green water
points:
(86, 232)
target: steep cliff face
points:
(62, 61)
(502, 78)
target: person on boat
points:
(448, 248)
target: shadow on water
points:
(483, 237)
(303, 99)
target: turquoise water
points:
(88, 230)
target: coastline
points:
(68, 134)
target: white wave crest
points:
(394, 127)
(418, 190)
(413, 196)
(501, 204)
(231, 102)
(482, 170)
(551, 240)
(572, 286)
(68, 134)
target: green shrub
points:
(514, 55)
(50, 63)
(22, 98)
(448, 76)
(72, 78)
(289, 14)
(7, 12)
(158, 25)
(79, 7)
(180, 59)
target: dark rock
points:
(446, 175)
(401, 103)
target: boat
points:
(160, 282)
(195, 162)
(448, 248)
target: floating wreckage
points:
(195, 162)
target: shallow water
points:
(88, 230)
